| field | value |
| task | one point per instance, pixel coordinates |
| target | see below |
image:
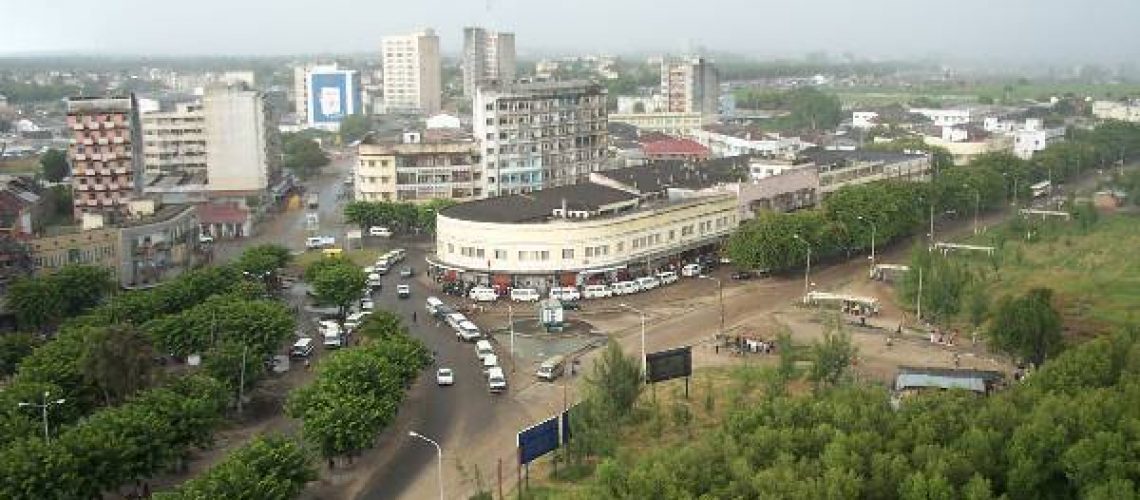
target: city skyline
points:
(1044, 30)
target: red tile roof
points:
(229, 213)
(674, 147)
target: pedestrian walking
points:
(413, 316)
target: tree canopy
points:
(54, 164)
(354, 127)
(303, 155)
(268, 468)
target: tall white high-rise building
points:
(412, 73)
(690, 85)
(538, 135)
(487, 56)
(241, 142)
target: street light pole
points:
(44, 411)
(644, 362)
(439, 458)
(511, 326)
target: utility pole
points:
(932, 222)
(43, 407)
(918, 300)
(241, 379)
(511, 325)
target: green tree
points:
(813, 109)
(37, 303)
(54, 164)
(338, 284)
(832, 355)
(354, 128)
(381, 324)
(82, 287)
(14, 347)
(118, 361)
(270, 468)
(1028, 326)
(302, 155)
(611, 391)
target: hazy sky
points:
(1101, 30)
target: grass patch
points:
(362, 258)
(20, 166)
(664, 418)
(1095, 274)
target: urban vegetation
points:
(336, 282)
(892, 210)
(357, 390)
(115, 416)
(806, 108)
(404, 217)
(268, 468)
(302, 155)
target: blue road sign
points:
(538, 440)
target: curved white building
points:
(575, 234)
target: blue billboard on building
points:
(333, 95)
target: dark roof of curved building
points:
(538, 206)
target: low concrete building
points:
(837, 169)
(574, 235)
(666, 122)
(419, 168)
(140, 252)
(966, 143)
(1113, 110)
(673, 149)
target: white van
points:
(467, 331)
(397, 255)
(496, 381)
(301, 348)
(648, 283)
(597, 292)
(551, 368)
(525, 295)
(667, 277)
(354, 320)
(375, 280)
(625, 287)
(483, 294)
(454, 319)
(333, 338)
(483, 349)
(432, 305)
(692, 270)
(565, 293)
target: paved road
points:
(464, 409)
(288, 227)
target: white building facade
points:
(537, 135)
(1112, 110)
(418, 171)
(412, 81)
(582, 243)
(944, 117)
(241, 142)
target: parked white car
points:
(444, 376)
(667, 277)
(625, 287)
(315, 242)
(379, 231)
(367, 304)
(565, 293)
(525, 295)
(467, 331)
(648, 283)
(597, 292)
(483, 294)
(692, 270)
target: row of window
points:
(75, 256)
(639, 243)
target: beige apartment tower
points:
(411, 73)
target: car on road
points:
(742, 275)
(625, 287)
(525, 295)
(496, 380)
(380, 232)
(483, 294)
(597, 292)
(489, 362)
(692, 270)
(467, 331)
(648, 283)
(565, 293)
(205, 238)
(315, 242)
(367, 304)
(667, 277)
(444, 376)
(571, 305)
(403, 291)
(407, 272)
